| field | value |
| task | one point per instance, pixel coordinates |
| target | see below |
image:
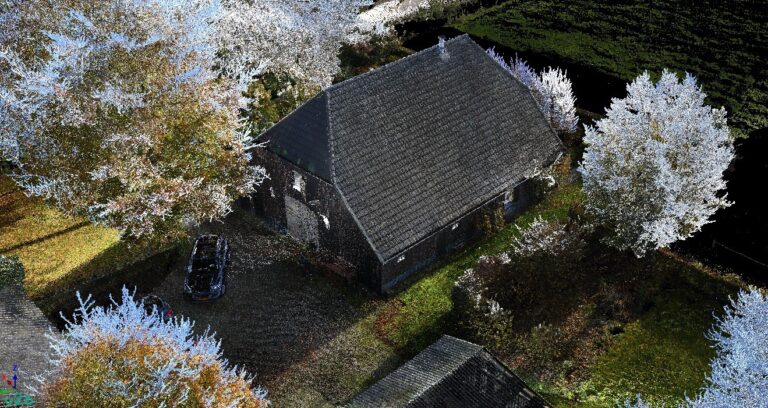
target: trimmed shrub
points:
(126, 356)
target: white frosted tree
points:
(653, 167)
(128, 111)
(552, 91)
(739, 375)
(295, 37)
(637, 403)
(124, 355)
(561, 102)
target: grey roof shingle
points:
(414, 145)
(450, 373)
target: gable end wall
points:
(343, 238)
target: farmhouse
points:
(450, 373)
(392, 169)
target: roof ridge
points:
(396, 63)
(350, 210)
(476, 348)
(526, 389)
(549, 124)
(466, 342)
(325, 91)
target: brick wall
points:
(341, 237)
(453, 237)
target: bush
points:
(548, 238)
(544, 258)
(11, 271)
(500, 297)
(479, 317)
(125, 356)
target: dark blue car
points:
(206, 270)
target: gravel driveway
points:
(272, 314)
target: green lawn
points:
(663, 354)
(58, 251)
(722, 43)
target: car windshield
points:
(206, 250)
(203, 270)
(205, 253)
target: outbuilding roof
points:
(450, 373)
(416, 144)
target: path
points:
(22, 336)
(272, 314)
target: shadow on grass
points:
(9, 207)
(44, 237)
(663, 353)
(104, 275)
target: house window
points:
(509, 196)
(509, 203)
(326, 222)
(301, 221)
(298, 182)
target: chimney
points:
(441, 48)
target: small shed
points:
(450, 373)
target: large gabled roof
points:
(420, 142)
(450, 373)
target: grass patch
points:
(662, 355)
(722, 43)
(57, 251)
